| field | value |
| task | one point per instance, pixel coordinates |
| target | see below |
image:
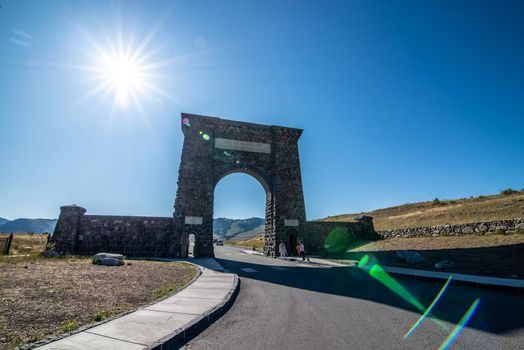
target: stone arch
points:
(214, 148)
(262, 180)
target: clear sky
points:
(401, 101)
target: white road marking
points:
(280, 268)
(248, 269)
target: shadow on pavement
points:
(499, 311)
(499, 261)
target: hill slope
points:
(29, 225)
(238, 228)
(440, 212)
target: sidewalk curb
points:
(39, 343)
(507, 284)
(195, 327)
(462, 279)
(185, 332)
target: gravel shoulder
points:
(42, 297)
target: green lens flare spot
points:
(206, 137)
(363, 261)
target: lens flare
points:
(460, 326)
(206, 137)
(337, 241)
(370, 264)
(430, 307)
(185, 122)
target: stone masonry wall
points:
(314, 233)
(142, 236)
(480, 228)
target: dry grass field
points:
(27, 243)
(257, 242)
(42, 297)
(440, 212)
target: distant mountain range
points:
(27, 225)
(238, 228)
(222, 227)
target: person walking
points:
(302, 252)
(282, 249)
(297, 248)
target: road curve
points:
(297, 306)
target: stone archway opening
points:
(292, 241)
(191, 245)
(240, 195)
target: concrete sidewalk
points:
(165, 324)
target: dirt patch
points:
(488, 255)
(45, 297)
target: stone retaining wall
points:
(314, 233)
(142, 236)
(480, 228)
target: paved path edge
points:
(191, 329)
(487, 282)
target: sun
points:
(122, 75)
(126, 73)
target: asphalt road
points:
(289, 305)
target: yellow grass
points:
(459, 211)
(257, 242)
(27, 243)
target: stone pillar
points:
(194, 199)
(67, 229)
(288, 202)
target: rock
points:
(482, 228)
(444, 264)
(51, 253)
(519, 227)
(108, 259)
(410, 256)
(468, 230)
(111, 262)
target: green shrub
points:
(70, 326)
(101, 315)
(437, 201)
(508, 191)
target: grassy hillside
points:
(507, 205)
(238, 228)
(257, 242)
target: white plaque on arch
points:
(291, 222)
(193, 220)
(247, 146)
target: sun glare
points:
(122, 75)
(128, 69)
(125, 73)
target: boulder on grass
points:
(410, 256)
(444, 264)
(108, 259)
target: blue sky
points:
(401, 101)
